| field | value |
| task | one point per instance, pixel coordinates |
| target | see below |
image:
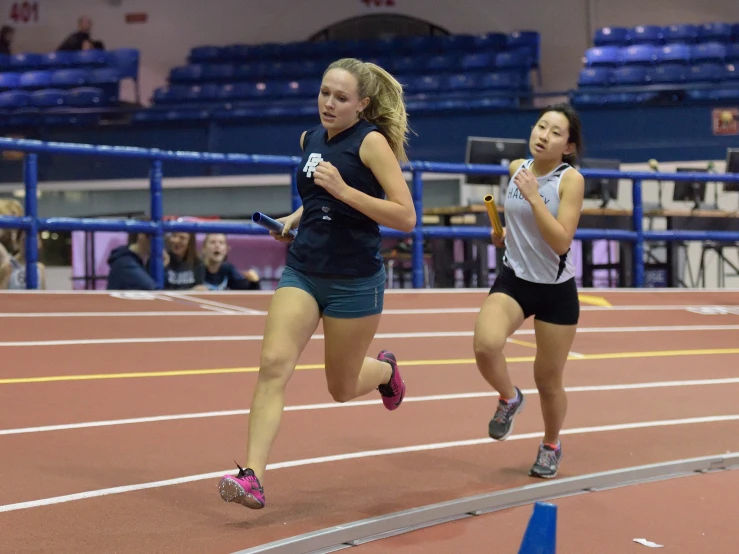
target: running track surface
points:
(146, 399)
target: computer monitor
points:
(694, 191)
(732, 166)
(601, 189)
(493, 151)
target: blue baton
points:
(269, 223)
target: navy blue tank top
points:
(334, 238)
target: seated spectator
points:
(6, 39)
(13, 267)
(81, 39)
(9, 237)
(184, 270)
(13, 252)
(127, 264)
(223, 275)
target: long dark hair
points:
(574, 132)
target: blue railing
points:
(157, 227)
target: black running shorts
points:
(552, 303)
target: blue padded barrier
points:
(32, 224)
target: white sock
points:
(515, 398)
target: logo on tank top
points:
(311, 164)
(514, 193)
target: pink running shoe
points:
(394, 391)
(243, 488)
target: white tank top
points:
(527, 253)
(17, 279)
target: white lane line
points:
(231, 310)
(353, 456)
(419, 335)
(359, 403)
(222, 307)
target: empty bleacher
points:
(62, 87)
(670, 64)
(438, 72)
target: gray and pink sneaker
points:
(392, 392)
(243, 488)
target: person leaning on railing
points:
(13, 252)
(223, 275)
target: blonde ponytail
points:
(386, 108)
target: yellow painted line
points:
(659, 354)
(522, 343)
(457, 361)
(594, 300)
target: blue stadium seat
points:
(125, 60)
(668, 73)
(300, 89)
(217, 73)
(630, 97)
(48, 98)
(305, 68)
(25, 61)
(169, 95)
(708, 52)
(646, 34)
(674, 53)
(57, 60)
(35, 79)
(642, 54)
(274, 70)
(234, 91)
(605, 55)
(630, 75)
(207, 54)
(524, 39)
(500, 80)
(90, 58)
(186, 73)
(441, 63)
(15, 99)
(490, 42)
(513, 59)
(426, 44)
(263, 89)
(700, 95)
(474, 62)
(202, 93)
(731, 94)
(732, 52)
(462, 81)
(684, 33)
(706, 72)
(611, 36)
(266, 51)
(68, 118)
(86, 97)
(63, 78)
(595, 77)
(104, 76)
(426, 83)
(9, 81)
(714, 32)
(250, 71)
(458, 43)
(406, 64)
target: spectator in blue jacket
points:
(223, 275)
(128, 264)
